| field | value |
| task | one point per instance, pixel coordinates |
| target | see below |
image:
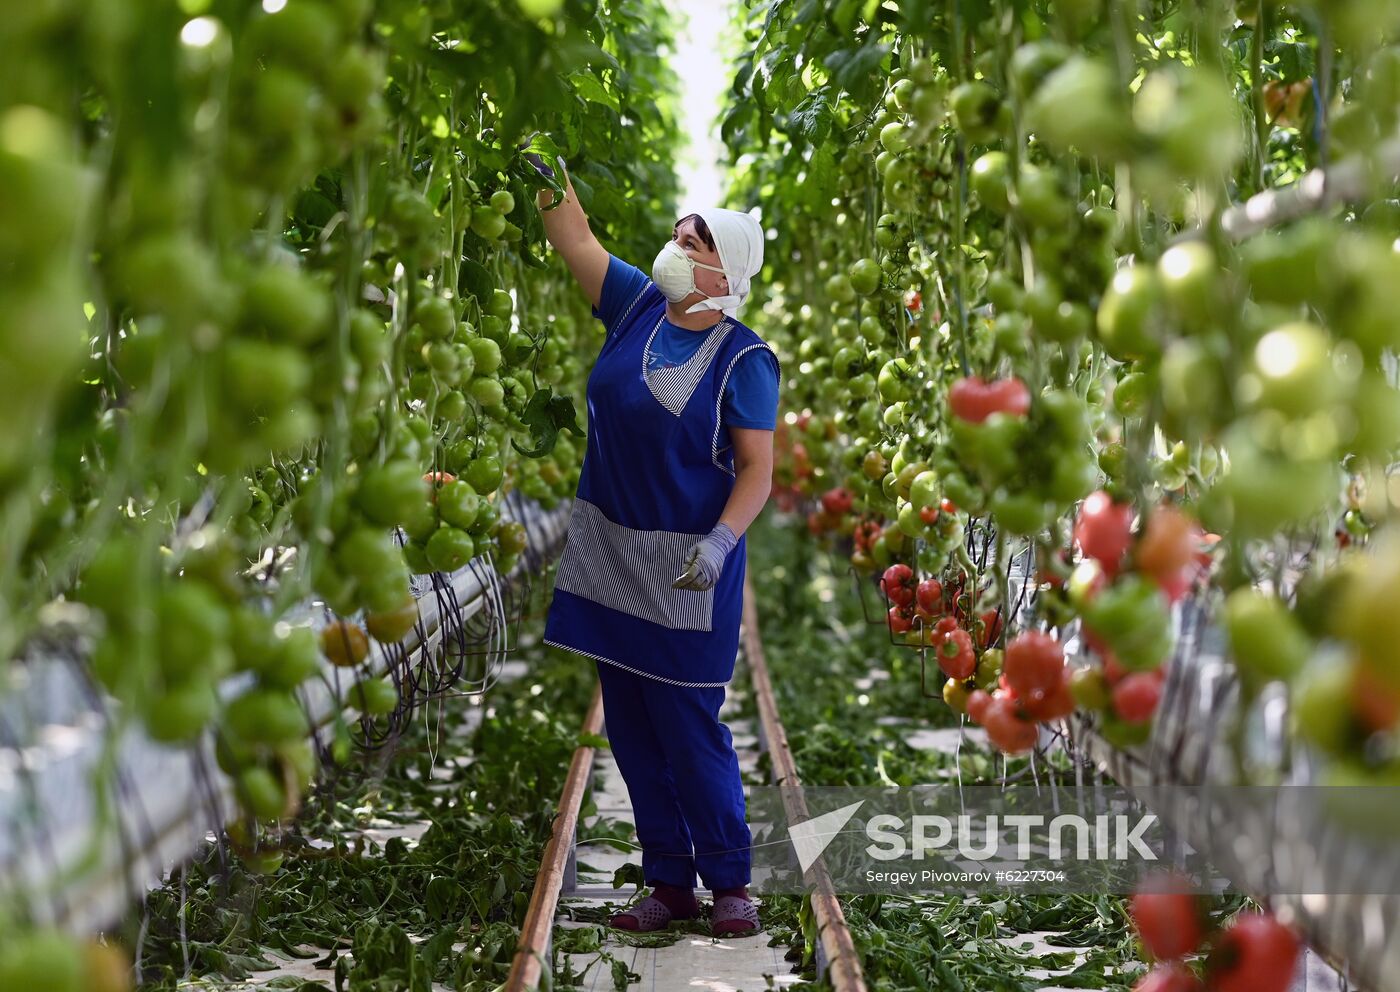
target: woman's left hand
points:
(705, 560)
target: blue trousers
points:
(682, 775)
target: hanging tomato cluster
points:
(1158, 393)
(274, 285)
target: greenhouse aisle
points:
(695, 960)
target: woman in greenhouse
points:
(682, 405)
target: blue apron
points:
(654, 481)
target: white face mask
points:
(674, 273)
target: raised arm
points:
(567, 228)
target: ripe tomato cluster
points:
(1253, 953)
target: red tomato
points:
(914, 300)
(945, 505)
(1103, 530)
(1004, 687)
(1056, 704)
(930, 595)
(437, 480)
(816, 522)
(991, 628)
(946, 625)
(1175, 586)
(974, 399)
(1007, 730)
(898, 584)
(977, 704)
(1136, 695)
(1375, 704)
(1166, 545)
(1169, 923)
(1034, 662)
(1205, 544)
(928, 514)
(955, 655)
(837, 501)
(1169, 978)
(1257, 954)
(866, 533)
(899, 619)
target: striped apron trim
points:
(631, 570)
(635, 671)
(719, 401)
(673, 387)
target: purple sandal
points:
(734, 916)
(648, 915)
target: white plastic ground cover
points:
(76, 855)
(1189, 746)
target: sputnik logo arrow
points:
(811, 837)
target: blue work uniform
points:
(657, 472)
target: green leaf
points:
(587, 86)
(546, 415)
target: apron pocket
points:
(631, 570)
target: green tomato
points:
(181, 713)
(262, 795)
(459, 504)
(1123, 734)
(1024, 514)
(500, 304)
(41, 961)
(990, 181)
(893, 381)
(366, 553)
(1038, 198)
(1266, 641)
(502, 201)
(839, 288)
(925, 489)
(1292, 371)
(1190, 277)
(1322, 708)
(484, 474)
(894, 137)
(1131, 616)
(977, 111)
(1192, 381)
(288, 304)
(1077, 106)
(865, 276)
(373, 697)
(1090, 689)
(1375, 406)
(1032, 62)
(1073, 477)
(388, 494)
(437, 317)
(487, 392)
(486, 354)
(1193, 117)
(1133, 394)
(487, 223)
(1129, 314)
(450, 548)
(512, 537)
(266, 716)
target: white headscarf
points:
(739, 242)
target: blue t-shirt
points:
(750, 395)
